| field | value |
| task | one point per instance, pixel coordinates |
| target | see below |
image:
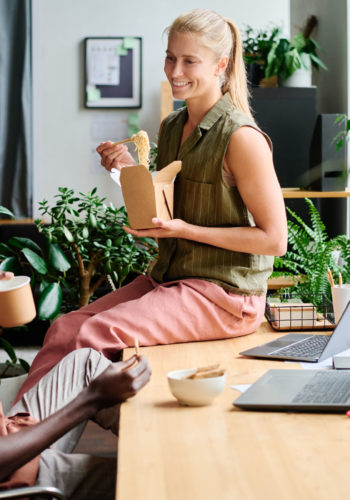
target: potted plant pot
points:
(300, 78)
(11, 379)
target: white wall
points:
(331, 33)
(62, 141)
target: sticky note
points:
(129, 42)
(121, 51)
(133, 123)
(93, 94)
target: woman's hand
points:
(6, 275)
(114, 156)
(175, 228)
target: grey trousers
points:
(79, 476)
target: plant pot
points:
(9, 386)
(300, 78)
(254, 74)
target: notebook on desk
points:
(299, 390)
(306, 347)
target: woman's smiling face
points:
(191, 67)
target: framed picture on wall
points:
(113, 72)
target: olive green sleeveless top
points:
(203, 198)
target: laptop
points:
(299, 390)
(306, 347)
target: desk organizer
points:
(286, 312)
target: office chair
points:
(33, 491)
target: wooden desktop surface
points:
(218, 452)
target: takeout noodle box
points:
(146, 197)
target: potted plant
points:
(84, 243)
(13, 372)
(256, 47)
(311, 254)
(295, 58)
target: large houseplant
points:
(288, 56)
(311, 254)
(84, 243)
(273, 59)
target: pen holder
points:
(340, 298)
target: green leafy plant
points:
(343, 135)
(285, 56)
(311, 254)
(84, 243)
(258, 43)
(13, 361)
(153, 157)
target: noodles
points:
(141, 142)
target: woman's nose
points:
(177, 70)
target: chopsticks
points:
(207, 372)
(137, 347)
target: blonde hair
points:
(220, 35)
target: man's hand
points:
(119, 382)
(6, 275)
(114, 156)
(175, 228)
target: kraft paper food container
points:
(16, 302)
(146, 197)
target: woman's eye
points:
(169, 58)
(190, 62)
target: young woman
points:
(217, 253)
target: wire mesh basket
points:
(287, 312)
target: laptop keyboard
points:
(311, 347)
(330, 387)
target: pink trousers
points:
(167, 313)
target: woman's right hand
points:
(114, 156)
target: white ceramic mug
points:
(16, 302)
(340, 297)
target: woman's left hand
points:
(174, 228)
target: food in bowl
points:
(196, 391)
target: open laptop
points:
(299, 390)
(307, 347)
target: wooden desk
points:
(218, 452)
(299, 193)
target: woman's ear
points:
(222, 65)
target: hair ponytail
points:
(235, 77)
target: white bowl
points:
(195, 392)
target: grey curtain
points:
(15, 107)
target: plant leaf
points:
(24, 364)
(35, 260)
(50, 302)
(8, 349)
(20, 242)
(57, 258)
(6, 211)
(8, 264)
